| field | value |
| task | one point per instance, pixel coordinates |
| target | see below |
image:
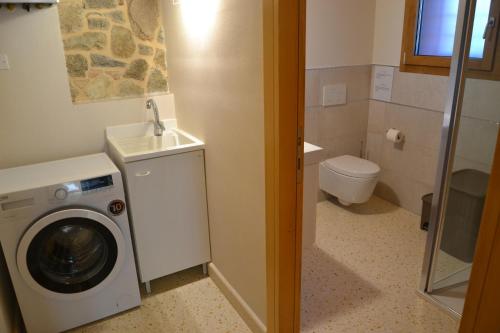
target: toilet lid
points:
(352, 166)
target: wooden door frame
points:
(284, 90)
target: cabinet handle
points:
(143, 174)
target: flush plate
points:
(334, 94)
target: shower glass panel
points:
(476, 138)
(472, 137)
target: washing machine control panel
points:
(86, 186)
(96, 184)
(61, 194)
(63, 191)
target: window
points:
(482, 41)
(436, 28)
(429, 35)
(480, 22)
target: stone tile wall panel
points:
(114, 48)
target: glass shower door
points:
(467, 186)
(472, 141)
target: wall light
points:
(198, 17)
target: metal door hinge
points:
(300, 154)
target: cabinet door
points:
(167, 199)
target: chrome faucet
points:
(159, 128)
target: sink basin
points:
(137, 142)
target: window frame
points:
(488, 66)
(410, 62)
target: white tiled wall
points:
(478, 130)
(416, 108)
(338, 129)
(481, 99)
(420, 90)
(408, 169)
(358, 128)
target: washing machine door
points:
(71, 253)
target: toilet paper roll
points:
(394, 135)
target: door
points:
(284, 89)
(167, 198)
(470, 154)
(483, 297)
(71, 252)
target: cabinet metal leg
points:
(148, 286)
(205, 268)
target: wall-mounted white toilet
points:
(350, 179)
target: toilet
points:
(351, 179)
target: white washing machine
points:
(65, 235)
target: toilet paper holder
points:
(394, 135)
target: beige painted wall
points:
(339, 33)
(217, 82)
(356, 32)
(38, 122)
(359, 32)
(388, 32)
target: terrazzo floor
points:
(185, 302)
(363, 272)
(361, 276)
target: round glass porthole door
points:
(70, 252)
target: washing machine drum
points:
(68, 252)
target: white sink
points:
(135, 142)
(312, 154)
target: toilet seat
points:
(350, 179)
(352, 166)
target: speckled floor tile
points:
(363, 273)
(184, 302)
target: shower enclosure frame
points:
(447, 151)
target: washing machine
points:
(65, 235)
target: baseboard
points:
(246, 313)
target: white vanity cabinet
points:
(168, 211)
